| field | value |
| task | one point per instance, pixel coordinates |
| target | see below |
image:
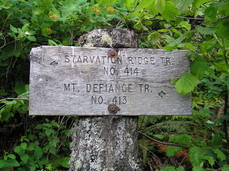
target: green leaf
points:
(31, 38)
(223, 31)
(12, 163)
(196, 156)
(181, 139)
(65, 162)
(171, 151)
(221, 66)
(5, 113)
(186, 83)
(220, 154)
(159, 136)
(170, 12)
(23, 145)
(2, 164)
(159, 5)
(168, 168)
(211, 12)
(13, 29)
(210, 160)
(143, 4)
(52, 43)
(25, 27)
(38, 152)
(36, 11)
(7, 52)
(185, 24)
(162, 30)
(199, 66)
(24, 157)
(19, 150)
(225, 168)
(182, 5)
(205, 30)
(190, 46)
(12, 156)
(130, 3)
(198, 168)
(216, 140)
(198, 3)
(154, 37)
(180, 168)
(19, 88)
(106, 2)
(176, 42)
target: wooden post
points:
(103, 82)
(109, 142)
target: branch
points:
(7, 99)
(4, 44)
(161, 142)
(192, 18)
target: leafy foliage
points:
(186, 83)
(199, 26)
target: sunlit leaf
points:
(31, 38)
(143, 4)
(159, 5)
(13, 29)
(196, 155)
(170, 12)
(186, 83)
(106, 2)
(220, 154)
(185, 24)
(205, 30)
(168, 168)
(183, 5)
(198, 168)
(199, 67)
(198, 3)
(180, 168)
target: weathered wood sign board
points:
(68, 80)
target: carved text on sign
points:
(85, 81)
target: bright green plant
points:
(8, 161)
(34, 154)
(199, 26)
(10, 106)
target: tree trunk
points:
(107, 143)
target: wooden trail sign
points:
(67, 80)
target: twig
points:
(192, 18)
(4, 44)
(161, 142)
(4, 23)
(7, 99)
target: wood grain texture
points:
(102, 143)
(68, 80)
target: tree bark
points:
(108, 143)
